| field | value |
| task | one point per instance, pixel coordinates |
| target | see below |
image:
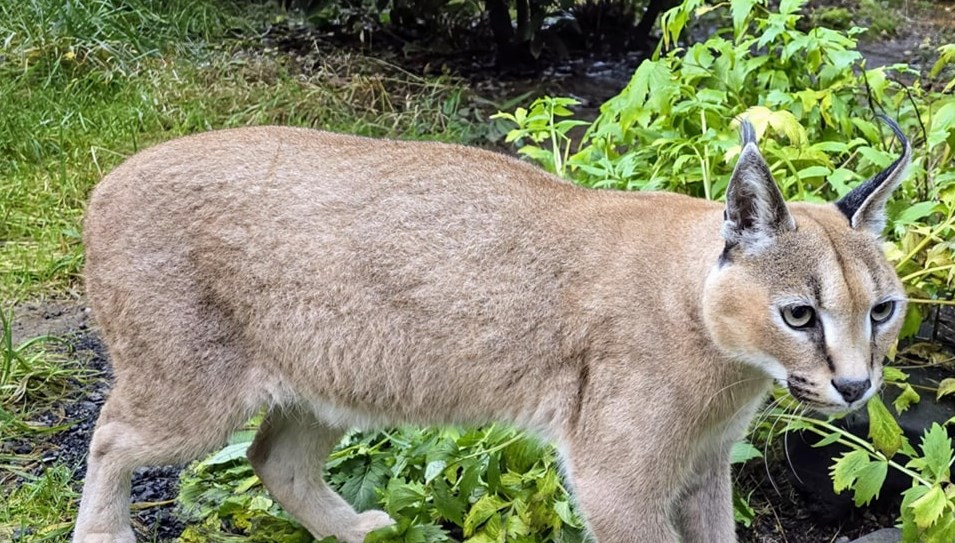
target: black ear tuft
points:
(864, 206)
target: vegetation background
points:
(86, 83)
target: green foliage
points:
(41, 507)
(481, 485)
(30, 371)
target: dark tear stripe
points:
(816, 290)
(822, 347)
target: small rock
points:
(885, 535)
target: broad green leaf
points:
(929, 507)
(482, 510)
(813, 171)
(846, 468)
(360, 489)
(943, 531)
(225, 455)
(883, 429)
(881, 159)
(937, 450)
(433, 469)
(740, 9)
(742, 511)
(869, 479)
(563, 510)
(402, 495)
(893, 375)
(915, 212)
(945, 57)
(448, 505)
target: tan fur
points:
(345, 282)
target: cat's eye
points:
(882, 311)
(799, 316)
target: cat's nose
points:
(851, 389)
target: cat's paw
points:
(368, 521)
(124, 537)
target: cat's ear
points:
(755, 209)
(864, 206)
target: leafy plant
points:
(483, 485)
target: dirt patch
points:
(154, 488)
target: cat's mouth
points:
(811, 399)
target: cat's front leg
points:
(624, 486)
(704, 513)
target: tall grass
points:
(85, 83)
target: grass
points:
(41, 509)
(87, 83)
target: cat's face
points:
(803, 292)
(817, 310)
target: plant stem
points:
(853, 441)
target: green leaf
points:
(893, 375)
(403, 495)
(946, 387)
(360, 488)
(883, 429)
(915, 212)
(943, 531)
(869, 479)
(813, 171)
(828, 440)
(741, 10)
(937, 451)
(563, 510)
(743, 451)
(448, 506)
(882, 159)
(906, 398)
(742, 511)
(845, 470)
(433, 469)
(226, 455)
(929, 507)
(481, 511)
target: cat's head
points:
(803, 291)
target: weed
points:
(40, 509)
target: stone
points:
(885, 535)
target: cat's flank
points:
(348, 282)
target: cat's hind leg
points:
(288, 454)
